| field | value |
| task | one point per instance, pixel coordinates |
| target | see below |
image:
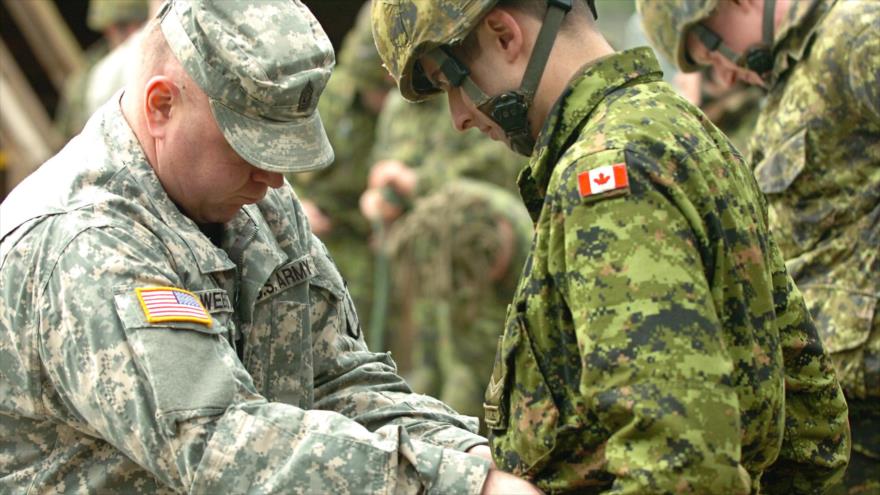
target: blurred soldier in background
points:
(116, 20)
(816, 155)
(349, 107)
(655, 342)
(455, 254)
(733, 109)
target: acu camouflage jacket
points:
(278, 394)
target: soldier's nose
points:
(461, 116)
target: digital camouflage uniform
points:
(350, 127)
(816, 156)
(97, 398)
(816, 153)
(656, 342)
(444, 248)
(271, 389)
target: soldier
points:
(455, 254)
(167, 321)
(656, 343)
(116, 20)
(816, 156)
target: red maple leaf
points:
(602, 179)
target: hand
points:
(482, 451)
(374, 206)
(393, 173)
(499, 482)
(318, 221)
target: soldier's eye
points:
(421, 82)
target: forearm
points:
(255, 449)
(816, 441)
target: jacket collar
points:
(124, 149)
(795, 33)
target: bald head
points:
(160, 86)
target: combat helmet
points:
(667, 24)
(407, 30)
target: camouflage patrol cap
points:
(105, 13)
(263, 66)
(405, 30)
(667, 23)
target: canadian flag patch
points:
(603, 179)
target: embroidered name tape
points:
(172, 304)
(215, 300)
(603, 179)
(288, 276)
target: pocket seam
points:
(783, 177)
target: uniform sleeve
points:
(364, 385)
(175, 399)
(817, 440)
(655, 371)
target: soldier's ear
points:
(161, 95)
(502, 31)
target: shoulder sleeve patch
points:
(164, 304)
(603, 181)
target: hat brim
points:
(294, 146)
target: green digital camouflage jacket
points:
(656, 343)
(816, 152)
(270, 390)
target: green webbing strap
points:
(556, 11)
(458, 75)
(769, 22)
(381, 276)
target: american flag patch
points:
(172, 304)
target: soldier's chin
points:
(223, 213)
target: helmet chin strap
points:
(510, 109)
(757, 58)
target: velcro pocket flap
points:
(779, 169)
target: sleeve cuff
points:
(460, 473)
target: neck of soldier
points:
(781, 12)
(570, 53)
(134, 116)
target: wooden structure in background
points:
(27, 137)
(25, 127)
(48, 36)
